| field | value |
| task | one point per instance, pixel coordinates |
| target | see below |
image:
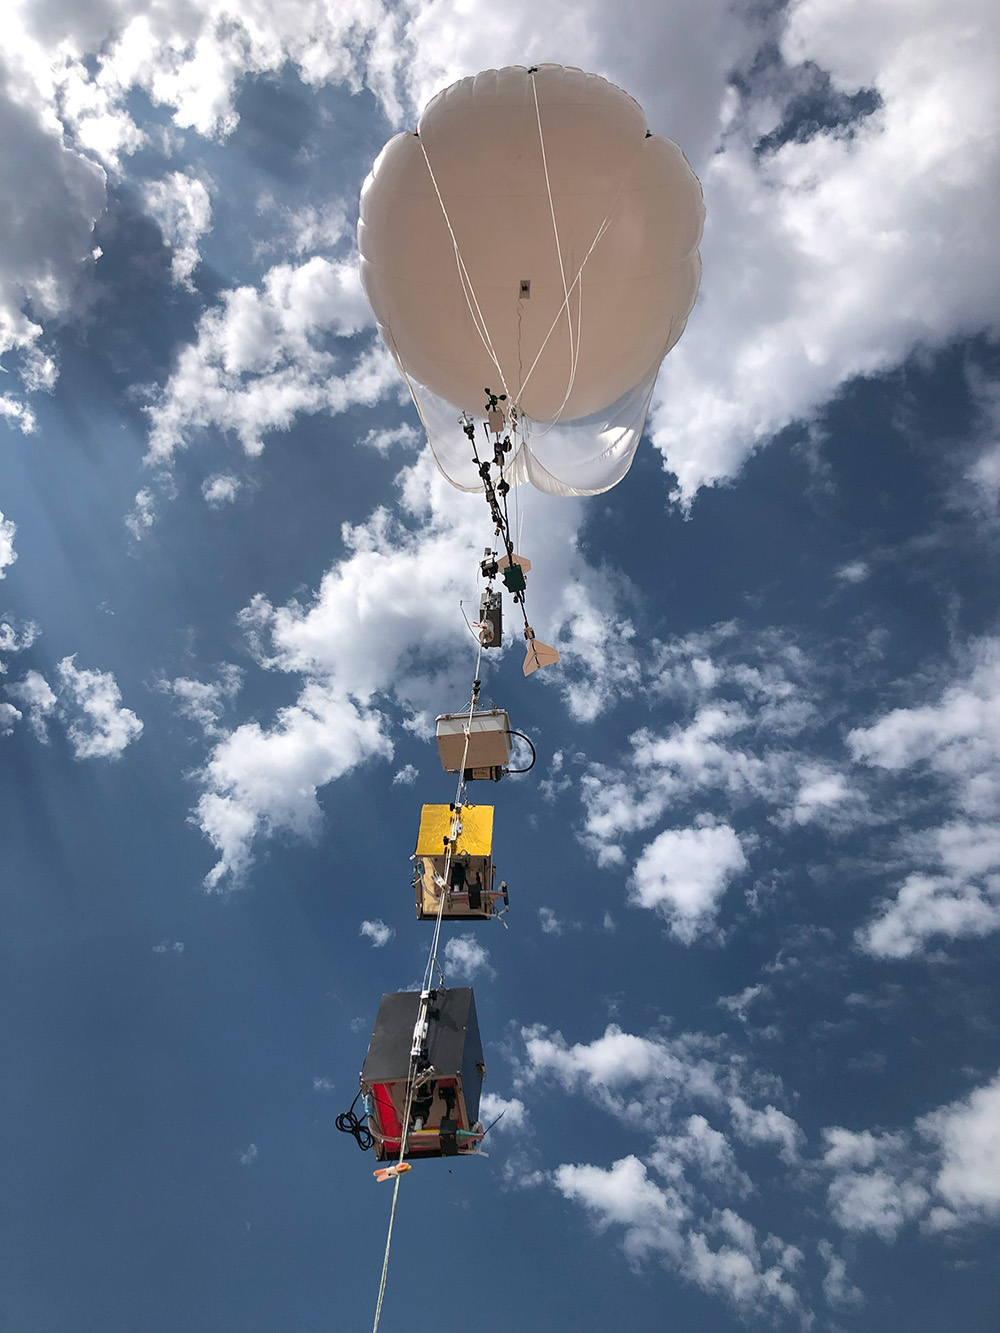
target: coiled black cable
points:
(348, 1123)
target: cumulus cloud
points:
(221, 489)
(649, 1081)
(510, 1113)
(260, 781)
(876, 1185)
(550, 923)
(683, 874)
(821, 788)
(955, 739)
(36, 694)
(204, 702)
(405, 776)
(746, 702)
(53, 194)
(926, 906)
(684, 1199)
(9, 715)
(264, 355)
(169, 946)
(182, 206)
(15, 637)
(97, 726)
(720, 1253)
(839, 1290)
(250, 1156)
(833, 242)
(377, 931)
(7, 553)
(739, 1004)
(944, 1171)
(87, 703)
(967, 1134)
(855, 571)
(466, 958)
(650, 1084)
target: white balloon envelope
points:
(534, 239)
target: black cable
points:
(348, 1123)
(493, 1122)
(530, 747)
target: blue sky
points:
(744, 1020)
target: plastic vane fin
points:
(539, 654)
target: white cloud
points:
(7, 553)
(221, 489)
(926, 906)
(683, 874)
(90, 702)
(648, 1081)
(15, 638)
(821, 789)
(467, 958)
(262, 357)
(204, 702)
(323, 1084)
(384, 441)
(968, 1134)
(550, 923)
(260, 782)
(377, 931)
(182, 206)
(822, 258)
(737, 749)
(52, 196)
(657, 1221)
(306, 230)
(405, 776)
(875, 1200)
(141, 519)
(944, 1172)
(839, 1290)
(767, 1125)
(36, 694)
(624, 1194)
(738, 1004)
(511, 1110)
(169, 946)
(250, 1156)
(9, 715)
(699, 1145)
(855, 571)
(954, 890)
(957, 737)
(983, 471)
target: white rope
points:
(577, 281)
(432, 962)
(574, 349)
(470, 294)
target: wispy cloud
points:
(378, 932)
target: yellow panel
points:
(475, 839)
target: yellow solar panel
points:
(476, 837)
